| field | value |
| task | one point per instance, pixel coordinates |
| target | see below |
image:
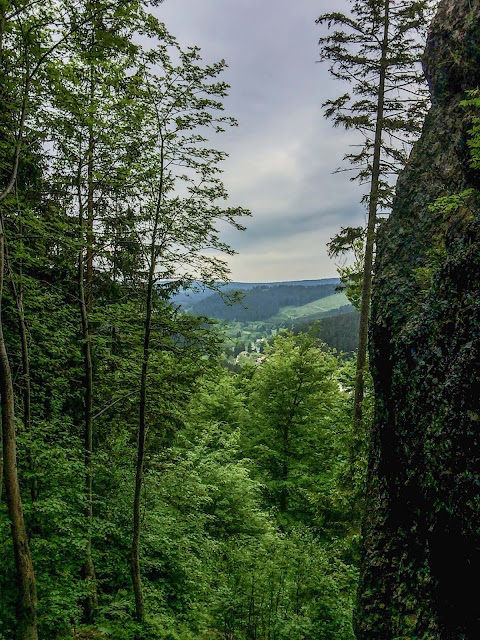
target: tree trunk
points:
(90, 217)
(23, 333)
(86, 304)
(135, 552)
(27, 596)
(90, 603)
(27, 402)
(27, 410)
(135, 555)
(370, 240)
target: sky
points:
(283, 153)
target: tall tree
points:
(180, 205)
(21, 30)
(27, 597)
(35, 41)
(376, 49)
(294, 403)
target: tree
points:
(15, 55)
(376, 49)
(275, 574)
(92, 145)
(27, 597)
(296, 411)
(34, 41)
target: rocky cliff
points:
(421, 558)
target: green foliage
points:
(296, 400)
(375, 49)
(220, 557)
(262, 302)
(353, 48)
(473, 104)
(457, 209)
(247, 526)
(340, 331)
(451, 204)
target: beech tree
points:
(375, 49)
(180, 204)
(91, 146)
(295, 403)
(22, 33)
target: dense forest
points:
(260, 303)
(153, 486)
(147, 492)
(245, 528)
(196, 291)
(338, 329)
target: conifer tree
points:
(376, 49)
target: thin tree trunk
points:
(135, 552)
(23, 333)
(370, 240)
(135, 555)
(27, 411)
(86, 304)
(27, 596)
(90, 214)
(90, 603)
(27, 394)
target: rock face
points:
(421, 557)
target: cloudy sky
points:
(282, 155)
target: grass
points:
(329, 303)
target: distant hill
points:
(314, 309)
(262, 302)
(269, 307)
(188, 298)
(339, 331)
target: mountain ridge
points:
(188, 297)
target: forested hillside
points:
(195, 292)
(339, 330)
(242, 534)
(254, 315)
(262, 302)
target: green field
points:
(317, 306)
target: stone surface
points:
(421, 556)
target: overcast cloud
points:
(283, 153)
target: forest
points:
(151, 489)
(260, 303)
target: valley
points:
(262, 310)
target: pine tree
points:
(376, 49)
